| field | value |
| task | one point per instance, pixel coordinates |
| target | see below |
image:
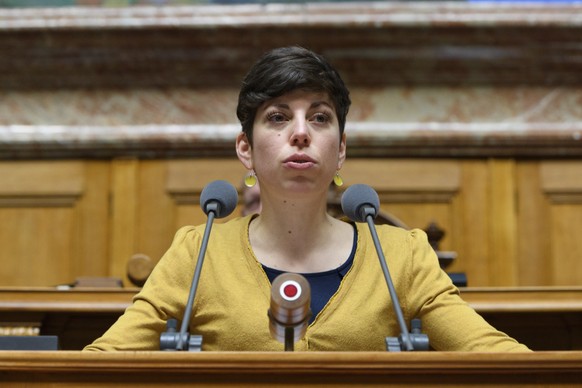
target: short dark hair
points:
(283, 70)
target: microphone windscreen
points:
(355, 198)
(222, 192)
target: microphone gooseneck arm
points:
(212, 210)
(361, 203)
(369, 213)
(218, 199)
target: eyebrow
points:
(318, 103)
(314, 104)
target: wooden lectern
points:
(272, 369)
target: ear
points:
(342, 152)
(244, 150)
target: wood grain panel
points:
(46, 183)
(167, 194)
(187, 178)
(511, 222)
(124, 188)
(502, 224)
(36, 246)
(561, 182)
(92, 215)
(470, 226)
(533, 239)
(157, 213)
(53, 221)
(566, 257)
(46, 177)
(417, 192)
(404, 175)
(561, 175)
(193, 175)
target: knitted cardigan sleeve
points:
(450, 323)
(162, 297)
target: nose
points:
(301, 136)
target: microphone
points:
(360, 203)
(289, 312)
(218, 199)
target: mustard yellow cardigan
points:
(233, 296)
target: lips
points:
(299, 161)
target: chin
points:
(302, 187)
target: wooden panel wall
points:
(550, 218)
(512, 223)
(154, 198)
(54, 221)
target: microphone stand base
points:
(170, 339)
(393, 344)
(289, 339)
(419, 343)
(195, 343)
(169, 342)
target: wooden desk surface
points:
(524, 299)
(97, 300)
(242, 369)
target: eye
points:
(321, 118)
(276, 117)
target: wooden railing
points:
(548, 318)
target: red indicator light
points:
(290, 290)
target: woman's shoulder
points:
(233, 223)
(395, 234)
(385, 229)
(188, 238)
(227, 228)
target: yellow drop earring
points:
(337, 179)
(251, 179)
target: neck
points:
(292, 220)
(299, 236)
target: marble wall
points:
(479, 104)
(477, 80)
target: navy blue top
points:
(323, 284)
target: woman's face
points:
(296, 143)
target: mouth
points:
(299, 161)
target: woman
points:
(293, 107)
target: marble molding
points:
(421, 104)
(364, 140)
(427, 79)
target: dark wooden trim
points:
(427, 43)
